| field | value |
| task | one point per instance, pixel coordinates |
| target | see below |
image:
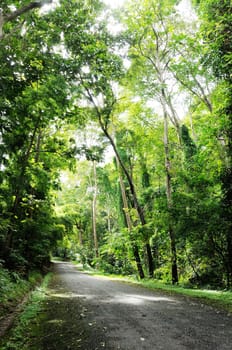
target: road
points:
(89, 313)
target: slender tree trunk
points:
(169, 202)
(129, 225)
(134, 196)
(227, 205)
(229, 260)
(80, 231)
(108, 220)
(94, 210)
(227, 200)
(138, 260)
(104, 126)
(38, 145)
(80, 238)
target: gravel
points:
(89, 313)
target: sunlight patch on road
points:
(135, 299)
(121, 298)
(60, 295)
(55, 321)
(69, 295)
(128, 300)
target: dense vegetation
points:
(115, 137)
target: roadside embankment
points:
(15, 294)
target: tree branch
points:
(26, 8)
(17, 13)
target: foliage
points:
(17, 336)
(158, 94)
(13, 288)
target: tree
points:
(129, 223)
(95, 74)
(94, 154)
(150, 47)
(32, 97)
(216, 31)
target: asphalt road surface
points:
(89, 313)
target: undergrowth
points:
(13, 288)
(19, 336)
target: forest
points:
(116, 137)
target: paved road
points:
(87, 312)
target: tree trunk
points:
(173, 256)
(229, 260)
(80, 232)
(169, 202)
(104, 126)
(129, 225)
(108, 220)
(94, 209)
(134, 196)
(227, 205)
(138, 260)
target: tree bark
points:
(94, 209)
(104, 127)
(129, 225)
(108, 220)
(229, 258)
(169, 202)
(135, 199)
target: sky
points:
(114, 3)
(184, 7)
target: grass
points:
(218, 298)
(13, 288)
(19, 335)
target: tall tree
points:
(129, 224)
(150, 47)
(217, 34)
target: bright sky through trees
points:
(114, 4)
(184, 7)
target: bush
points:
(13, 288)
(163, 274)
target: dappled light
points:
(140, 299)
(55, 321)
(121, 298)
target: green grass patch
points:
(217, 298)
(19, 336)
